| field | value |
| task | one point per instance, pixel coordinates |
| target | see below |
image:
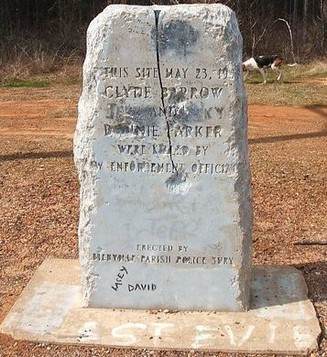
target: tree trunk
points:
(305, 20)
(323, 4)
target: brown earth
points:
(39, 199)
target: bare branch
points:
(291, 36)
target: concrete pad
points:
(281, 318)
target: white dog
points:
(261, 63)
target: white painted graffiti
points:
(202, 336)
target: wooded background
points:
(30, 29)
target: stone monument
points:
(165, 217)
(161, 152)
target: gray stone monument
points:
(165, 218)
(161, 152)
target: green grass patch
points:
(295, 93)
(26, 83)
(314, 69)
(318, 69)
(303, 85)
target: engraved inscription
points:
(155, 247)
(114, 92)
(177, 130)
(177, 111)
(183, 92)
(160, 254)
(161, 153)
(198, 73)
(192, 92)
(200, 168)
(197, 131)
(158, 259)
(146, 72)
(176, 73)
(136, 130)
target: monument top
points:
(161, 151)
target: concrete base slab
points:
(281, 319)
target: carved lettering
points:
(165, 149)
(192, 92)
(96, 164)
(155, 259)
(155, 247)
(222, 261)
(140, 131)
(144, 167)
(210, 112)
(201, 150)
(159, 259)
(114, 72)
(188, 131)
(131, 149)
(113, 92)
(191, 260)
(146, 72)
(176, 73)
(207, 168)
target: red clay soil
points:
(39, 199)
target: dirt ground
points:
(39, 199)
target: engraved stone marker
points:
(161, 152)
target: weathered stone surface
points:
(161, 151)
(281, 319)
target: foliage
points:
(39, 36)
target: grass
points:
(294, 93)
(315, 69)
(304, 85)
(26, 83)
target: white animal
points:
(261, 63)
